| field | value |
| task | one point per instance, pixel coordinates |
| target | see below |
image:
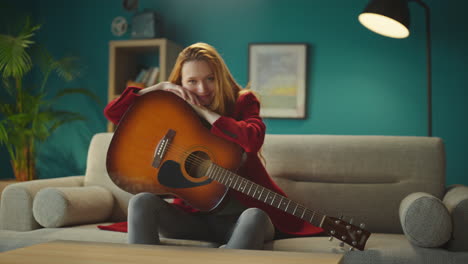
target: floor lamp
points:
(391, 18)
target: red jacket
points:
(246, 128)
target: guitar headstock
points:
(350, 234)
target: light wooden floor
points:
(68, 252)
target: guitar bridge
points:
(162, 148)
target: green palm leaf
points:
(3, 134)
(14, 60)
(51, 120)
(7, 109)
(67, 117)
(67, 68)
(9, 87)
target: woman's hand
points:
(185, 94)
(208, 115)
(159, 86)
(173, 88)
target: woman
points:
(203, 80)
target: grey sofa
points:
(386, 182)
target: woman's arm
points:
(246, 127)
(117, 107)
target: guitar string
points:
(182, 151)
(196, 160)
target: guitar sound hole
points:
(197, 164)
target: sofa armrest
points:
(17, 201)
(456, 201)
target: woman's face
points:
(199, 79)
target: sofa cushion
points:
(425, 220)
(63, 206)
(456, 201)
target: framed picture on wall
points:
(277, 74)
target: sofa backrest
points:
(96, 174)
(363, 177)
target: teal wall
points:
(359, 83)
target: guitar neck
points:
(264, 195)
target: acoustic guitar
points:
(163, 147)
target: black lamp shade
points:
(387, 17)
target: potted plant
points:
(27, 115)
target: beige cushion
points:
(456, 201)
(425, 220)
(65, 206)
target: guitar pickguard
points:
(170, 175)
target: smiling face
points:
(198, 78)
(217, 92)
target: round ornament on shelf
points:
(119, 26)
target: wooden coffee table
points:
(72, 252)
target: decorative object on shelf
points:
(119, 26)
(277, 73)
(145, 25)
(27, 115)
(130, 5)
(391, 18)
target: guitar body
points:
(161, 146)
(181, 171)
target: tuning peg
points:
(341, 244)
(338, 221)
(330, 238)
(351, 249)
(362, 225)
(351, 221)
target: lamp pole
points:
(429, 65)
(380, 16)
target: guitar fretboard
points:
(263, 194)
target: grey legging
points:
(148, 214)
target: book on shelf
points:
(153, 76)
(141, 76)
(148, 76)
